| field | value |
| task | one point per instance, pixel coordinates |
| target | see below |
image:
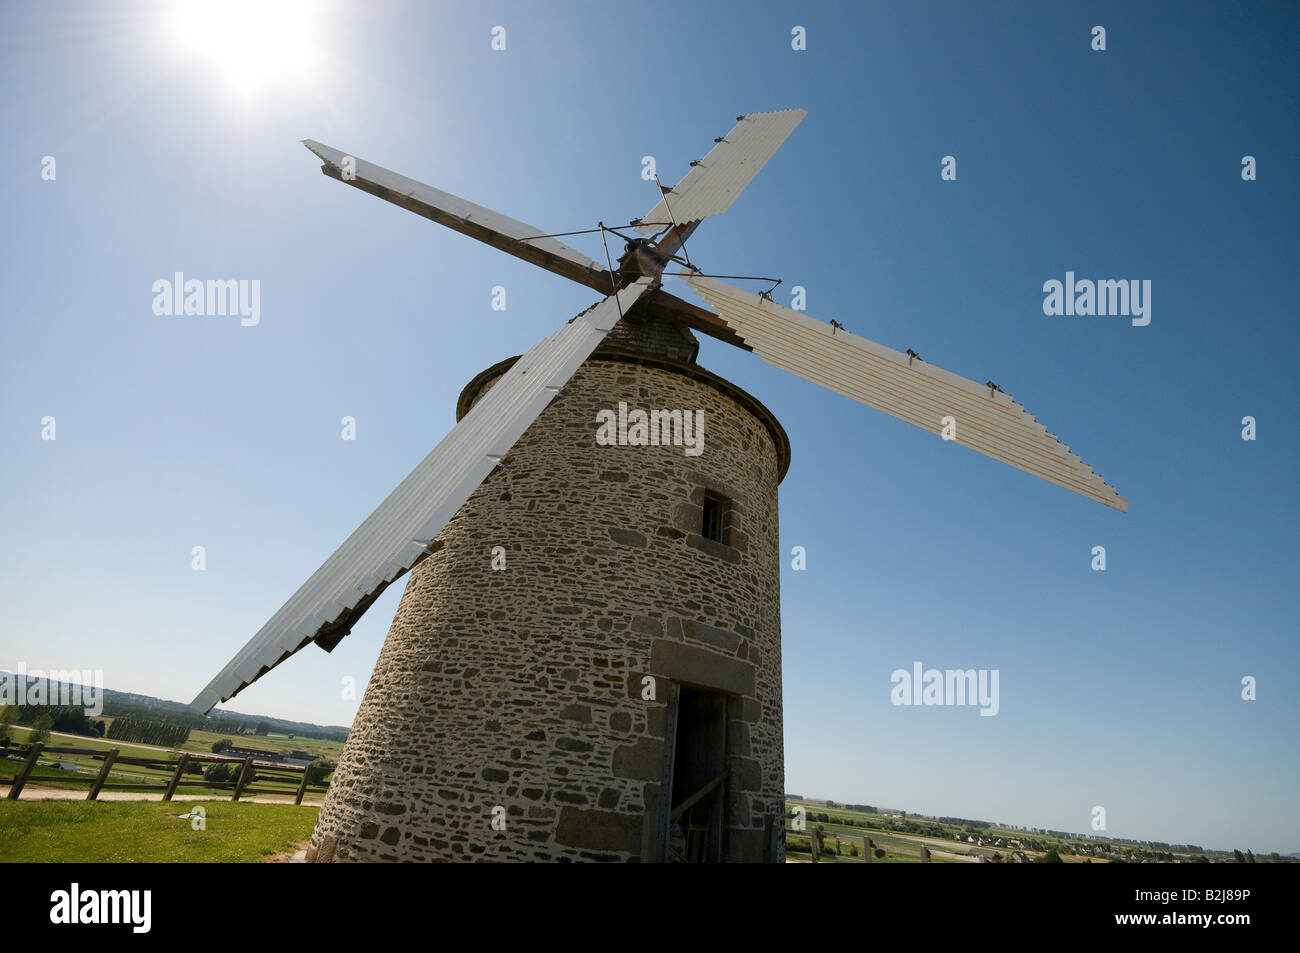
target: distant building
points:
(261, 754)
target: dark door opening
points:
(697, 787)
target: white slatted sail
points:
(400, 530)
(478, 222)
(912, 390)
(712, 185)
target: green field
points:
(143, 831)
(202, 741)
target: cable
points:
(533, 238)
(610, 263)
(700, 274)
(590, 231)
(664, 195)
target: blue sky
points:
(1120, 689)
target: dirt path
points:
(296, 856)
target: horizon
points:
(1120, 688)
(218, 713)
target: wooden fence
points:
(265, 771)
(922, 851)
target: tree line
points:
(143, 731)
(43, 719)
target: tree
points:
(263, 728)
(1051, 857)
(219, 772)
(222, 745)
(319, 770)
(8, 716)
(1237, 856)
(879, 852)
(40, 732)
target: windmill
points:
(404, 529)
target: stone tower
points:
(537, 701)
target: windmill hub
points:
(642, 258)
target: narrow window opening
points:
(715, 519)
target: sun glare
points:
(250, 42)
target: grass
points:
(142, 832)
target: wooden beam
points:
(243, 778)
(25, 771)
(663, 304)
(176, 777)
(98, 785)
(676, 238)
(598, 280)
(695, 798)
(660, 848)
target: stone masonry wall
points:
(522, 688)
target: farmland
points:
(895, 831)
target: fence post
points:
(176, 778)
(866, 847)
(17, 787)
(812, 842)
(302, 788)
(925, 854)
(243, 777)
(98, 785)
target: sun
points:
(250, 42)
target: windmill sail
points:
(713, 184)
(493, 228)
(402, 527)
(912, 390)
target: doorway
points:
(697, 786)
